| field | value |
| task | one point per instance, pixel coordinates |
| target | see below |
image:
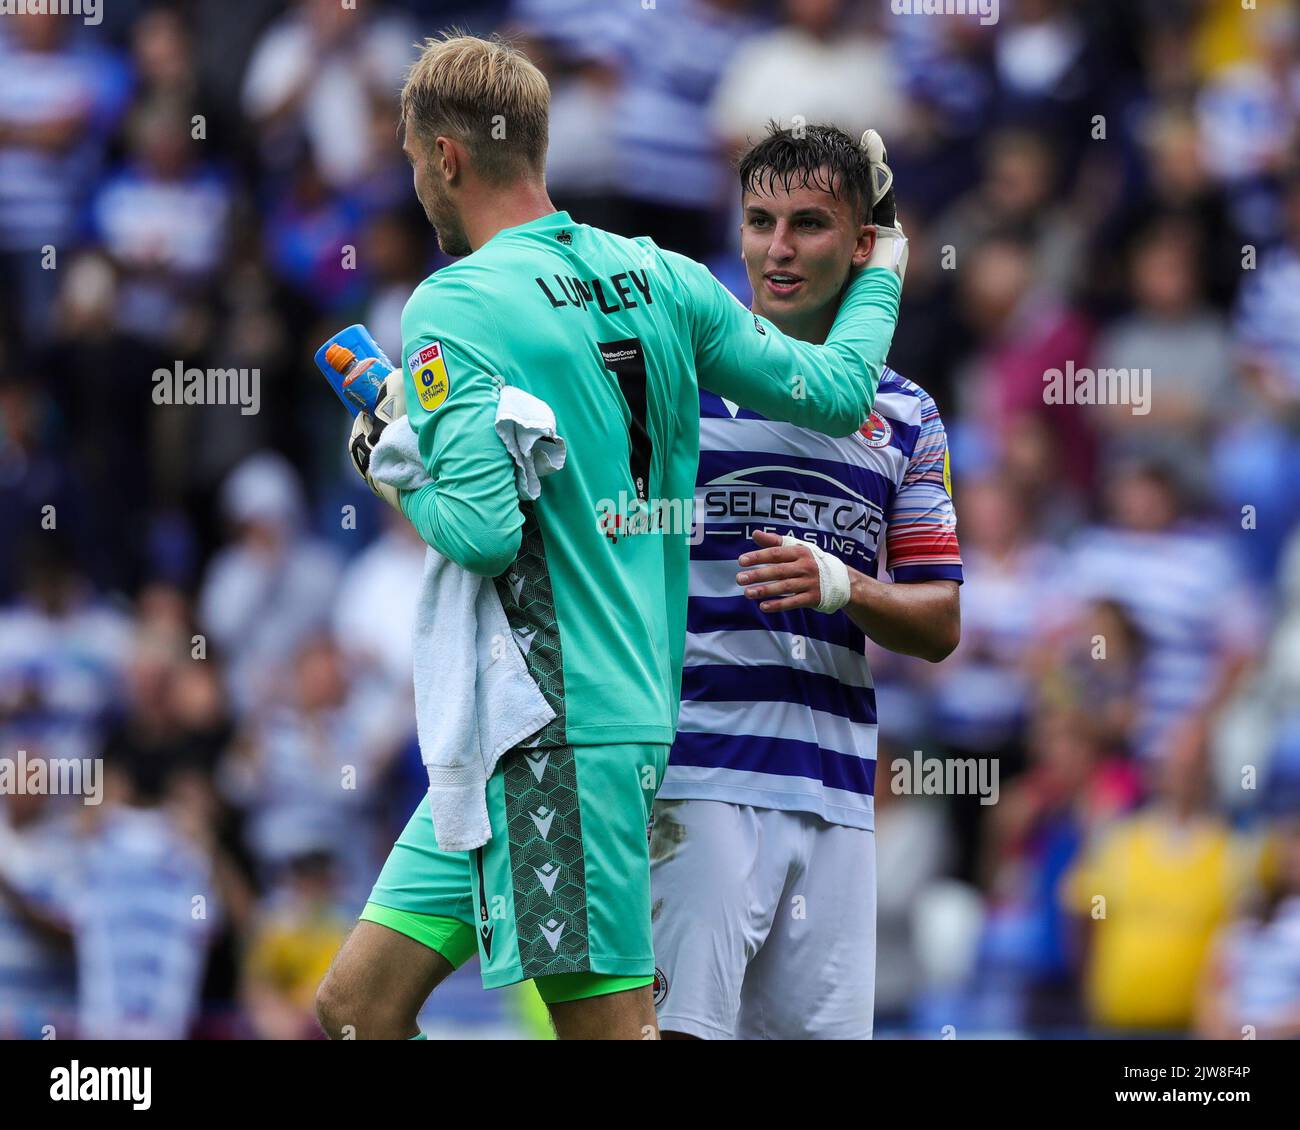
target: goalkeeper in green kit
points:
(616, 336)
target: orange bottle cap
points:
(339, 357)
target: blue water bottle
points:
(355, 367)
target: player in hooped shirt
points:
(763, 848)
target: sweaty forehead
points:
(800, 191)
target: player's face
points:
(799, 246)
(434, 196)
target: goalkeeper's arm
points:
(470, 511)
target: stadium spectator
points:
(945, 67)
(1071, 791)
(1248, 111)
(1044, 71)
(296, 932)
(308, 771)
(1150, 894)
(38, 864)
(58, 107)
(1172, 335)
(143, 916)
(913, 850)
(1178, 185)
(63, 655)
(673, 178)
(271, 587)
(981, 697)
(37, 481)
(1256, 738)
(1095, 668)
(1185, 590)
(1252, 983)
(576, 44)
(310, 83)
(818, 65)
(174, 719)
(1019, 194)
(162, 50)
(1023, 332)
(1265, 326)
(306, 232)
(376, 601)
(393, 249)
(162, 220)
(1256, 456)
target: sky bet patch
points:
(429, 371)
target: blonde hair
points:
(487, 95)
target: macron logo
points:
(542, 818)
(547, 876)
(551, 931)
(103, 1084)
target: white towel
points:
(474, 697)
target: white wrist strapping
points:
(832, 576)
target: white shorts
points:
(764, 923)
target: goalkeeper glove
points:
(366, 430)
(890, 251)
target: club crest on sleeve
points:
(877, 431)
(659, 988)
(429, 372)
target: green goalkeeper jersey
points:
(616, 335)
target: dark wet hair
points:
(821, 157)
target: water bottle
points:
(355, 367)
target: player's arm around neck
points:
(830, 388)
(864, 327)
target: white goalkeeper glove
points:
(366, 430)
(890, 251)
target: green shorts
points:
(561, 888)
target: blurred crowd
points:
(209, 601)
